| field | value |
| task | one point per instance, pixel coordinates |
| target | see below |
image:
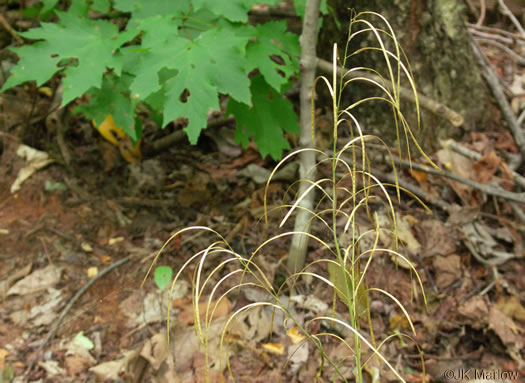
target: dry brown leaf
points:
(76, 364)
(436, 238)
(476, 310)
(38, 280)
(419, 176)
(7, 283)
(78, 359)
(186, 346)
(217, 308)
(399, 321)
(511, 307)
(506, 142)
(448, 270)
(459, 165)
(487, 166)
(156, 350)
(505, 328)
(111, 370)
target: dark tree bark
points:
(435, 39)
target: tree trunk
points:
(435, 39)
(307, 165)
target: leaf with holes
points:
(187, 56)
(270, 116)
(111, 99)
(84, 47)
(211, 64)
(274, 52)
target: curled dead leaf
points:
(295, 335)
(274, 348)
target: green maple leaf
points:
(48, 5)
(270, 115)
(211, 64)
(90, 44)
(270, 40)
(143, 9)
(233, 10)
(101, 5)
(111, 98)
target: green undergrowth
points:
(350, 195)
(169, 59)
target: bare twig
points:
(9, 29)
(519, 59)
(484, 290)
(512, 35)
(488, 189)
(506, 11)
(521, 118)
(482, 12)
(497, 259)
(473, 155)
(425, 102)
(492, 36)
(413, 189)
(518, 211)
(497, 90)
(307, 170)
(65, 311)
(55, 121)
(180, 135)
(155, 203)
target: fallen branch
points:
(416, 190)
(497, 90)
(425, 102)
(516, 57)
(506, 11)
(179, 135)
(51, 334)
(491, 36)
(54, 122)
(514, 36)
(487, 189)
(473, 155)
(10, 29)
(155, 203)
(482, 12)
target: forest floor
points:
(68, 223)
(79, 236)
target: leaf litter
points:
(475, 314)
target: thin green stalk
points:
(350, 293)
